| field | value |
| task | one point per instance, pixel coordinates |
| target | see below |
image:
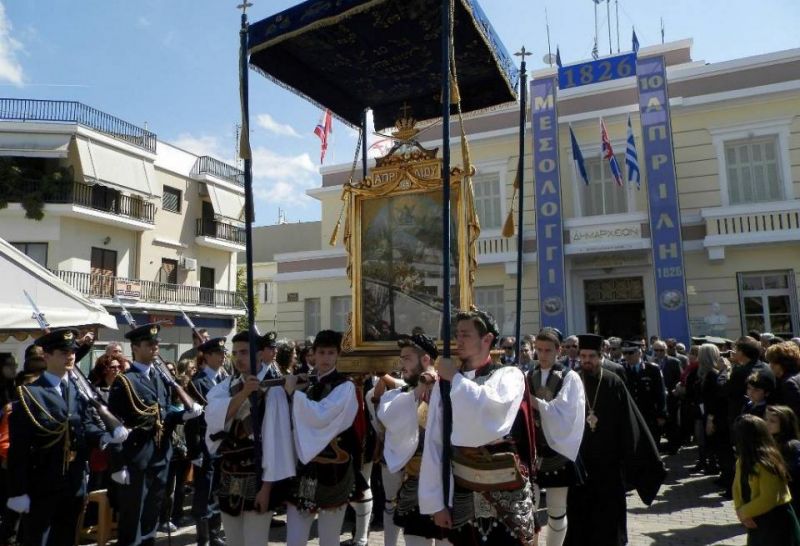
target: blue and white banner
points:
(662, 190)
(549, 229)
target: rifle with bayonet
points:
(84, 387)
(159, 364)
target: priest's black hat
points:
(215, 344)
(421, 342)
(590, 342)
(63, 339)
(146, 332)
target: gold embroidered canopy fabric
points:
(348, 55)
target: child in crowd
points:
(760, 487)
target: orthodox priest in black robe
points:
(618, 453)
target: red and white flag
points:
(608, 153)
(322, 130)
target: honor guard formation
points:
(581, 419)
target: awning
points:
(111, 166)
(226, 202)
(381, 54)
(61, 304)
(34, 144)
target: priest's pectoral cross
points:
(591, 420)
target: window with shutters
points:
(103, 270)
(492, 300)
(312, 316)
(753, 170)
(268, 292)
(768, 303)
(35, 251)
(602, 195)
(169, 271)
(171, 199)
(488, 199)
(340, 308)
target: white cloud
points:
(278, 179)
(283, 179)
(267, 122)
(143, 22)
(202, 145)
(10, 69)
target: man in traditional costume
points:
(617, 452)
(249, 487)
(328, 447)
(558, 404)
(492, 444)
(52, 428)
(205, 510)
(403, 414)
(141, 397)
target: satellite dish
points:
(549, 58)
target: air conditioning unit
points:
(189, 264)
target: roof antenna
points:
(549, 51)
(662, 30)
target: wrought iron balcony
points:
(220, 230)
(75, 112)
(209, 165)
(106, 287)
(96, 197)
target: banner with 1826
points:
(601, 70)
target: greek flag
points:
(632, 160)
(577, 156)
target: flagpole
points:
(444, 386)
(523, 94)
(249, 216)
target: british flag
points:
(608, 153)
(322, 130)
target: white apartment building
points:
(130, 217)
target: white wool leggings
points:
(298, 526)
(363, 509)
(248, 529)
(391, 485)
(556, 515)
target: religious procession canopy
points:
(349, 55)
(61, 304)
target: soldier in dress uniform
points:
(205, 510)
(646, 385)
(141, 399)
(268, 345)
(52, 428)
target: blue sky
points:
(172, 64)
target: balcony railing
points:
(209, 165)
(97, 197)
(105, 287)
(758, 222)
(76, 112)
(220, 230)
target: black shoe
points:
(699, 467)
(277, 523)
(216, 541)
(727, 494)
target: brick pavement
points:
(688, 512)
